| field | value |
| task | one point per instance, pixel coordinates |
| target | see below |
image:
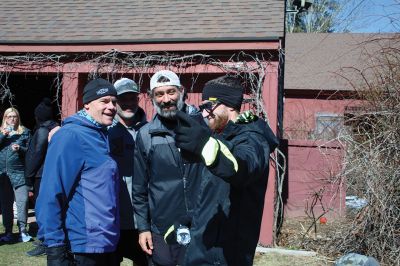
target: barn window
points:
(328, 126)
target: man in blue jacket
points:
(77, 208)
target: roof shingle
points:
(320, 61)
(80, 21)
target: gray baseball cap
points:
(125, 85)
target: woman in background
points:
(14, 139)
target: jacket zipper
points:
(184, 189)
(184, 179)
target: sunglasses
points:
(209, 107)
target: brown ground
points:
(300, 234)
(275, 259)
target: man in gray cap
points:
(122, 137)
(77, 209)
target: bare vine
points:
(371, 165)
(310, 211)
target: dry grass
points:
(294, 234)
(275, 259)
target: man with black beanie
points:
(77, 209)
(37, 149)
(227, 215)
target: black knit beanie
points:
(227, 90)
(96, 89)
(44, 110)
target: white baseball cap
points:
(125, 85)
(168, 75)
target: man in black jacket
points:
(226, 222)
(36, 153)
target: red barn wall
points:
(313, 165)
(314, 168)
(300, 114)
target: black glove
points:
(171, 235)
(189, 134)
(58, 256)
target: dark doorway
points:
(28, 90)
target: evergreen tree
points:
(320, 17)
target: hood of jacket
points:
(140, 115)
(49, 124)
(80, 120)
(251, 124)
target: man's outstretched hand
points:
(190, 135)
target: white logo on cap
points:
(102, 91)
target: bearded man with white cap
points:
(162, 185)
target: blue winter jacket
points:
(78, 199)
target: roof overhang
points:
(139, 47)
